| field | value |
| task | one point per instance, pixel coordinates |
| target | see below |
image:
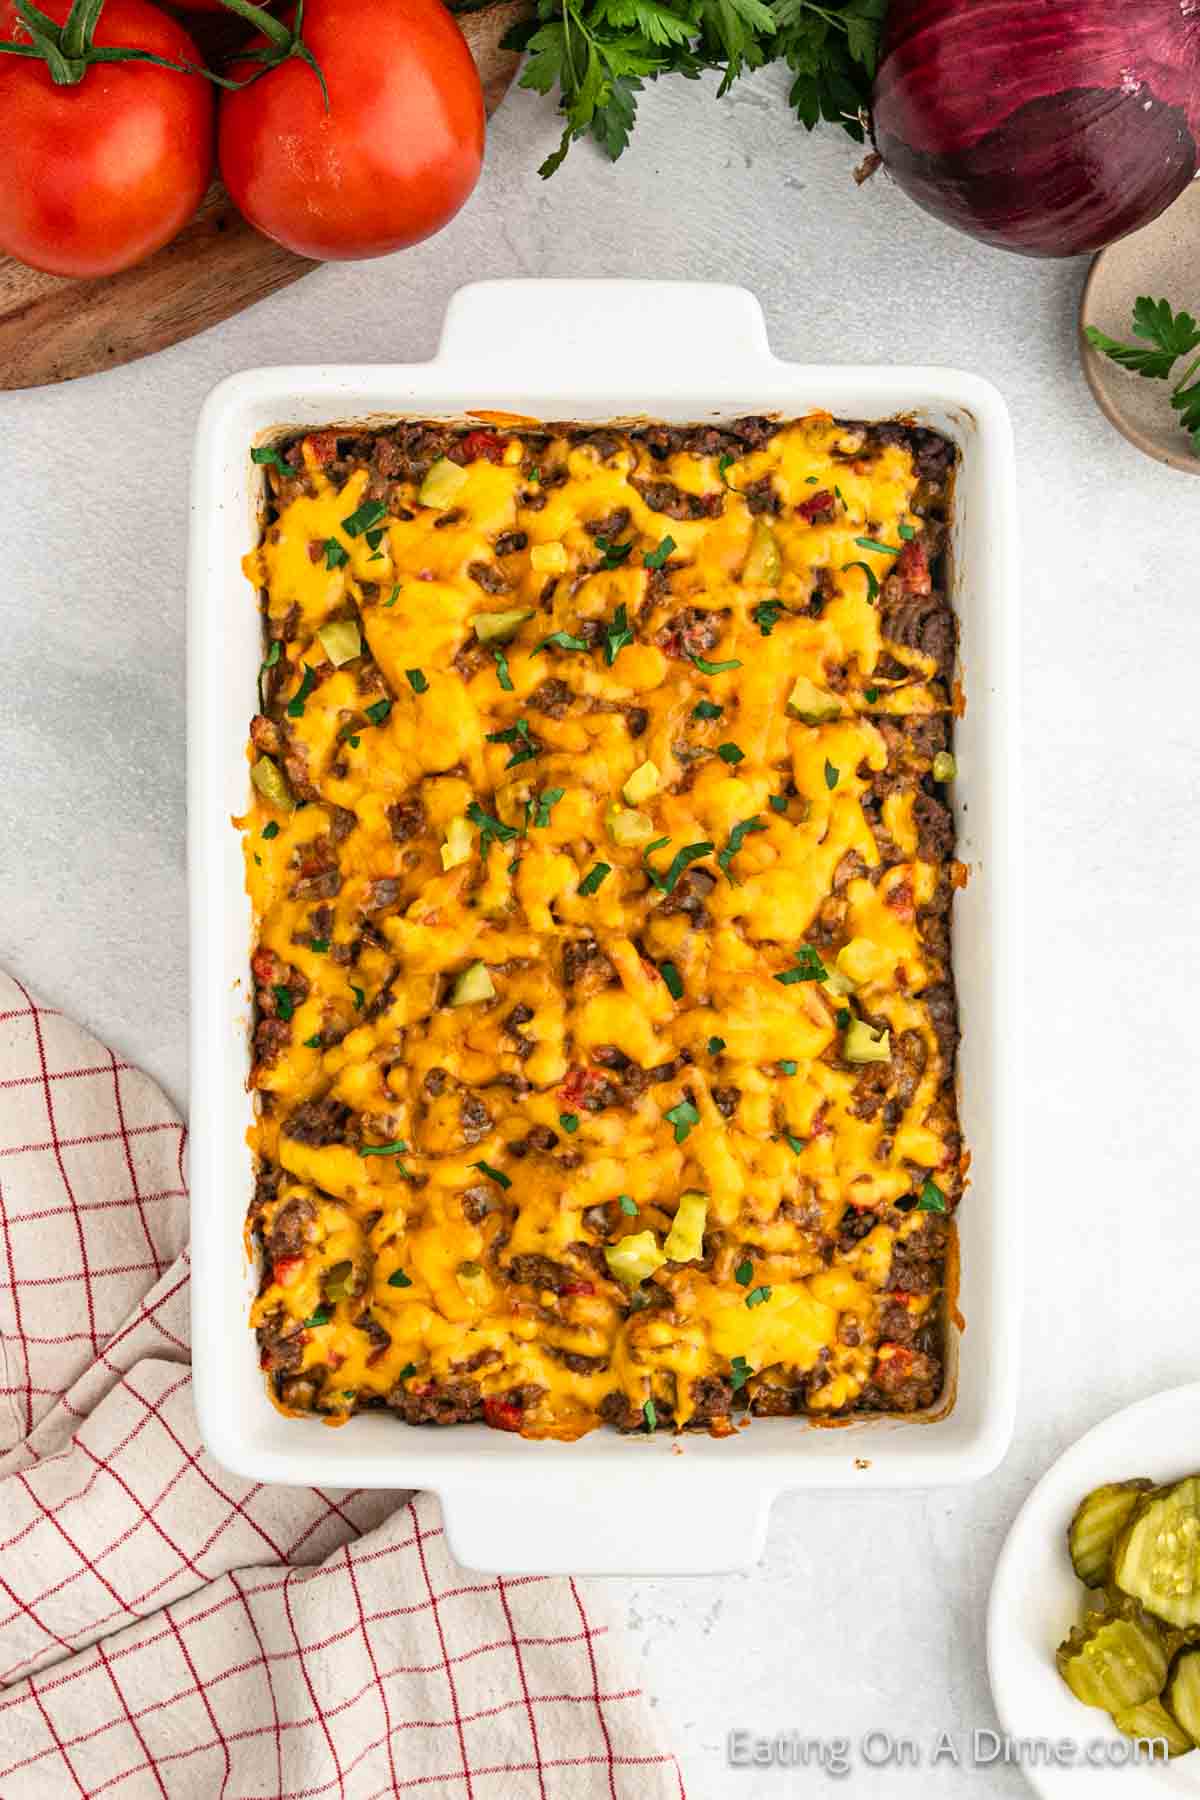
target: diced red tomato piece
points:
(577, 1287)
(502, 1415)
(286, 1269)
(815, 505)
(478, 445)
(912, 566)
(322, 446)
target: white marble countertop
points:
(868, 1611)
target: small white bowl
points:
(1036, 1597)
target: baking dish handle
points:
(564, 330)
(600, 1526)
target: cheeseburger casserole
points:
(601, 870)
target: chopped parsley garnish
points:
(715, 1046)
(744, 1273)
(360, 996)
(295, 706)
(393, 596)
(811, 480)
(682, 1116)
(724, 464)
(650, 1415)
(374, 539)
(547, 801)
(832, 775)
(284, 1004)
(614, 554)
(335, 555)
(715, 668)
(617, 635)
(707, 709)
(654, 559)
(270, 829)
(417, 680)
(779, 803)
(518, 735)
(739, 1373)
(809, 967)
(397, 1147)
(731, 754)
(379, 711)
(766, 615)
(872, 581)
(673, 979)
(271, 458)
(322, 1316)
(786, 1066)
(363, 517)
(594, 877)
(795, 1144)
(496, 1175)
(757, 1296)
(842, 1018)
(268, 662)
(628, 1205)
(569, 1123)
(502, 674)
(689, 854)
(870, 695)
(320, 945)
(932, 1198)
(866, 543)
(560, 640)
(399, 1279)
(406, 1371)
(314, 1042)
(907, 533)
(489, 828)
(354, 740)
(737, 838)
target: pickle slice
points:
(1097, 1522)
(1182, 1694)
(1150, 1719)
(1114, 1660)
(1156, 1558)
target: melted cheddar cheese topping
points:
(597, 860)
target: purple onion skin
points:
(1049, 127)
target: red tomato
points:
(100, 174)
(502, 1415)
(392, 159)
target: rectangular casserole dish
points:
(599, 351)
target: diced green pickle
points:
(473, 985)
(1182, 1694)
(1114, 1659)
(1157, 1555)
(764, 565)
(341, 641)
(944, 766)
(685, 1240)
(633, 1259)
(1150, 1719)
(811, 704)
(271, 784)
(339, 1281)
(441, 486)
(499, 627)
(1094, 1529)
(863, 1044)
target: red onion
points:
(1045, 126)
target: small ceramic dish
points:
(1036, 1598)
(1162, 260)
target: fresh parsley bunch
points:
(599, 54)
(1174, 335)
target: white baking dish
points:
(598, 350)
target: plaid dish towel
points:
(166, 1629)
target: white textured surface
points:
(867, 1612)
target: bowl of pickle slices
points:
(1094, 1617)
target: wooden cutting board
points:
(53, 329)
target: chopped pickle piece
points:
(859, 960)
(1094, 1529)
(548, 559)
(634, 1258)
(443, 484)
(1157, 1555)
(1150, 1719)
(341, 641)
(811, 704)
(271, 784)
(472, 985)
(1182, 1694)
(685, 1240)
(339, 1281)
(628, 827)
(863, 1044)
(459, 844)
(641, 784)
(498, 627)
(764, 565)
(944, 766)
(1114, 1660)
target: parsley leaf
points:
(295, 706)
(932, 1198)
(517, 735)
(832, 775)
(796, 1144)
(724, 464)
(650, 1415)
(715, 1046)
(560, 640)
(268, 662)
(363, 517)
(872, 580)
(1173, 334)
(569, 1123)
(737, 837)
(314, 1043)
(335, 555)
(766, 615)
(397, 1147)
(270, 458)
(502, 674)
(866, 543)
(322, 1316)
(654, 559)
(715, 668)
(360, 997)
(757, 1296)
(379, 712)
(617, 635)
(679, 862)
(271, 829)
(547, 801)
(628, 1205)
(398, 1279)
(739, 1373)
(786, 1066)
(496, 1175)
(707, 709)
(673, 979)
(417, 680)
(393, 596)
(744, 1273)
(809, 967)
(284, 1004)
(682, 1117)
(779, 803)
(731, 753)
(489, 827)
(614, 554)
(594, 877)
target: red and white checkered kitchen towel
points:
(166, 1629)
